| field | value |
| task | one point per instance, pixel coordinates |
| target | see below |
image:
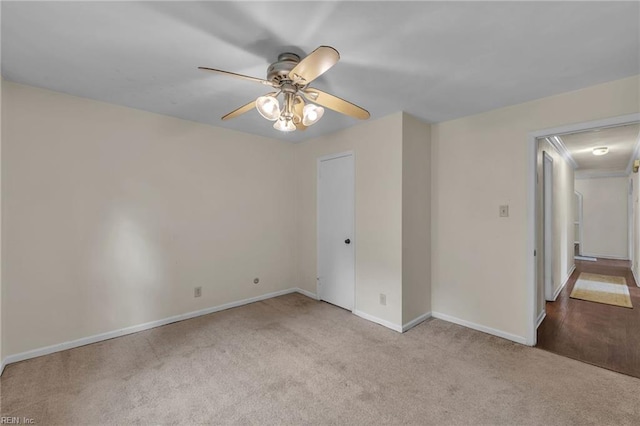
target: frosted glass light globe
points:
(311, 114)
(284, 125)
(268, 107)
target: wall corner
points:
(416, 218)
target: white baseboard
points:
(600, 256)
(564, 283)
(484, 329)
(415, 321)
(541, 318)
(307, 293)
(388, 324)
(584, 258)
(141, 327)
(635, 278)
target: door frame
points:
(354, 240)
(531, 172)
(578, 237)
(547, 225)
(630, 225)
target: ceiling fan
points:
(291, 76)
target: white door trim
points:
(630, 224)
(354, 239)
(579, 236)
(531, 203)
(547, 225)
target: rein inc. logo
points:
(6, 420)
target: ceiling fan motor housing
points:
(279, 70)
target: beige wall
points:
(392, 165)
(416, 218)
(563, 221)
(146, 207)
(377, 146)
(117, 214)
(605, 217)
(479, 260)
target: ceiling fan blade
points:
(244, 108)
(240, 110)
(244, 77)
(335, 103)
(314, 65)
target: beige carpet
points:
(292, 360)
(607, 289)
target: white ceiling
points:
(621, 142)
(435, 60)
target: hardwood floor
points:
(603, 335)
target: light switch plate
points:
(504, 211)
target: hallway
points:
(603, 335)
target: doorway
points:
(594, 233)
(577, 252)
(534, 228)
(336, 224)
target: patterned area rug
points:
(607, 289)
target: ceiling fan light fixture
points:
(311, 114)
(284, 125)
(290, 76)
(601, 150)
(268, 107)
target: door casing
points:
(547, 197)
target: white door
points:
(336, 245)
(548, 226)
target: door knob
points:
(347, 241)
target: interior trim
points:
(409, 325)
(141, 327)
(385, 323)
(541, 318)
(484, 329)
(559, 145)
(564, 283)
(600, 175)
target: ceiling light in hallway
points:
(601, 150)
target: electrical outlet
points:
(383, 299)
(197, 292)
(256, 280)
(504, 211)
